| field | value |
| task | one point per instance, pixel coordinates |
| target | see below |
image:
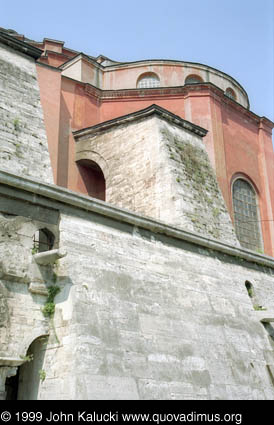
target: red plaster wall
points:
(233, 142)
(50, 86)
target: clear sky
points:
(234, 36)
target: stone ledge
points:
(265, 315)
(49, 257)
(11, 361)
(65, 196)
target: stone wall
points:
(159, 169)
(143, 312)
(23, 141)
(152, 324)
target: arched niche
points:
(193, 79)
(91, 180)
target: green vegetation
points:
(200, 180)
(16, 124)
(49, 307)
(250, 292)
(27, 358)
(42, 375)
(259, 308)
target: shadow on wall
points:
(91, 179)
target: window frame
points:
(194, 76)
(145, 75)
(257, 197)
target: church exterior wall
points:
(233, 142)
(144, 307)
(23, 140)
(146, 311)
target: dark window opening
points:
(11, 386)
(249, 288)
(91, 180)
(43, 240)
(193, 79)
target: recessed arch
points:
(193, 79)
(25, 384)
(148, 80)
(91, 179)
(94, 157)
(246, 213)
(231, 93)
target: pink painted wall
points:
(234, 142)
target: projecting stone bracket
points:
(266, 316)
(46, 258)
(39, 288)
(11, 361)
(49, 257)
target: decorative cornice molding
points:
(20, 46)
(177, 91)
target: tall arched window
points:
(246, 215)
(148, 80)
(193, 79)
(91, 179)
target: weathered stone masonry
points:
(157, 307)
(136, 318)
(23, 141)
(155, 163)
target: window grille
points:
(246, 216)
(148, 81)
(43, 240)
(192, 79)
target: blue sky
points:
(235, 36)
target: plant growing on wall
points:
(49, 307)
(42, 375)
(27, 358)
(16, 124)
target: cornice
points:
(177, 91)
(20, 46)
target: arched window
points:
(246, 215)
(91, 179)
(148, 80)
(230, 93)
(43, 240)
(193, 79)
